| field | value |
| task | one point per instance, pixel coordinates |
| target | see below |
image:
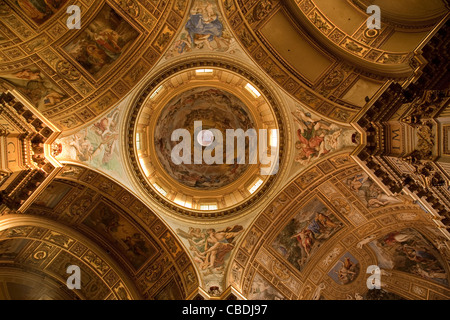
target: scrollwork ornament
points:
(67, 71)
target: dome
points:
(206, 141)
(211, 108)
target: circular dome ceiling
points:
(216, 109)
(230, 122)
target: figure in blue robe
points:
(197, 25)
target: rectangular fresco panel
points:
(102, 42)
(306, 232)
(408, 251)
(109, 224)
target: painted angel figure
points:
(83, 147)
(356, 183)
